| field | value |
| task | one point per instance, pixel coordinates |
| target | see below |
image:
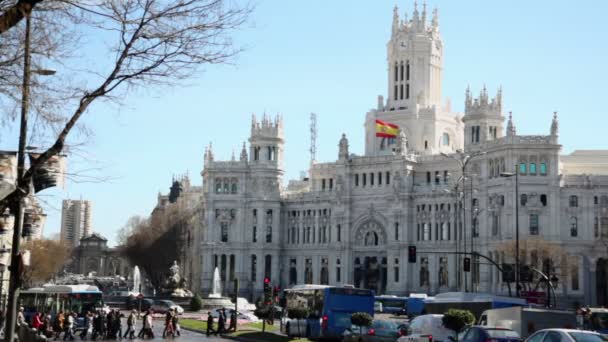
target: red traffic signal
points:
(266, 280)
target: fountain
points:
(215, 300)
(216, 288)
(136, 280)
(175, 285)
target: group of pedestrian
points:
(65, 322)
(171, 324)
(99, 325)
(221, 322)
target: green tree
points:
(196, 303)
(361, 319)
(457, 319)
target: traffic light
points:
(467, 264)
(525, 274)
(267, 291)
(508, 273)
(411, 254)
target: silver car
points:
(565, 335)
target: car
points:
(484, 334)
(379, 331)
(164, 305)
(134, 303)
(428, 328)
(565, 335)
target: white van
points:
(428, 328)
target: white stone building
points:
(352, 220)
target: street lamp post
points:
(463, 160)
(507, 175)
(18, 206)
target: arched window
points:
(407, 70)
(254, 237)
(573, 226)
(269, 234)
(401, 70)
(534, 225)
(226, 186)
(401, 91)
(446, 139)
(523, 200)
(543, 168)
(533, 168)
(293, 272)
(224, 231)
(396, 72)
(426, 145)
(573, 202)
(522, 168)
(234, 186)
(218, 185)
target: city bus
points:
(51, 299)
(393, 304)
(329, 308)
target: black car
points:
(134, 303)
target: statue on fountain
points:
(175, 285)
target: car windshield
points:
(586, 337)
(384, 325)
(502, 333)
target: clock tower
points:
(415, 61)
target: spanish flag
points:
(386, 129)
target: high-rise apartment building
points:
(75, 221)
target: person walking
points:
(48, 326)
(88, 326)
(232, 326)
(69, 327)
(143, 326)
(210, 324)
(148, 325)
(130, 333)
(118, 316)
(96, 326)
(175, 322)
(37, 322)
(168, 324)
(58, 325)
(221, 322)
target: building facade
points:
(75, 221)
(93, 256)
(351, 221)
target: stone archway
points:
(601, 284)
(370, 269)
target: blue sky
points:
(329, 57)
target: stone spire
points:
(210, 156)
(401, 144)
(395, 20)
(423, 19)
(510, 126)
(415, 15)
(244, 156)
(233, 157)
(343, 148)
(435, 20)
(554, 126)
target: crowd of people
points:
(221, 323)
(98, 325)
